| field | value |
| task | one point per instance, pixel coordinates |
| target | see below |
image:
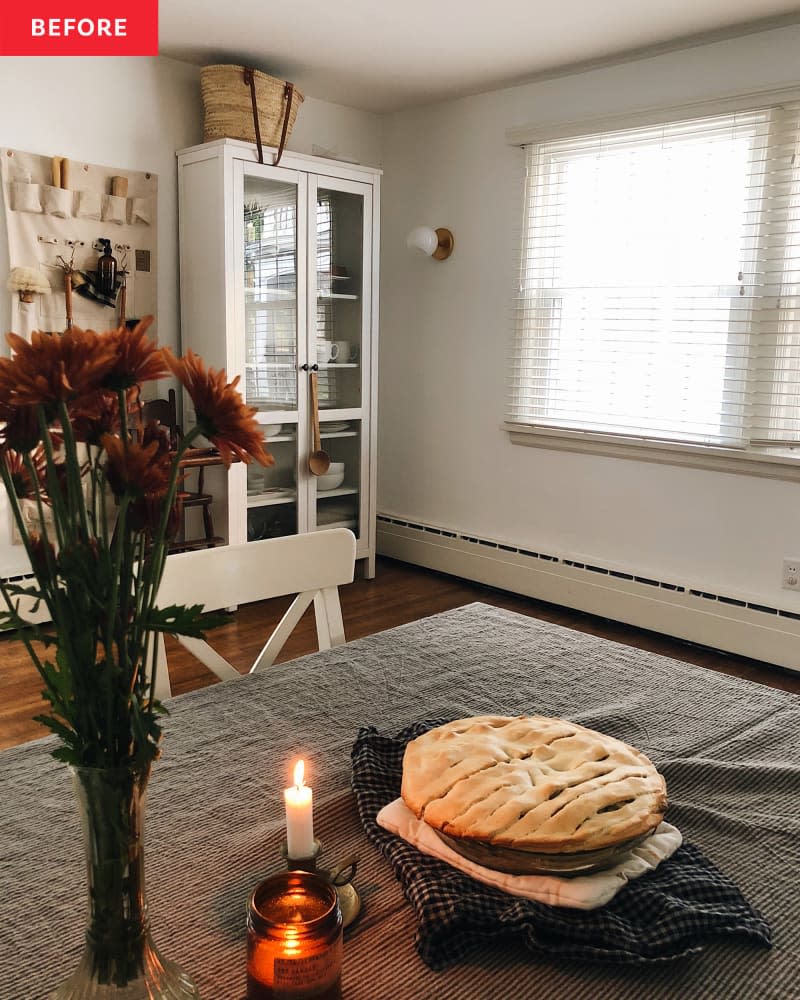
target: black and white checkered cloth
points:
(673, 911)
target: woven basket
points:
(228, 105)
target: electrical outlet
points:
(791, 574)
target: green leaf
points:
(58, 727)
(67, 756)
(179, 620)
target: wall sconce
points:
(436, 243)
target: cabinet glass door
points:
(340, 283)
(340, 286)
(270, 291)
(274, 313)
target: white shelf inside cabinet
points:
(330, 414)
(340, 491)
(268, 296)
(269, 364)
(336, 295)
(337, 434)
(278, 438)
(333, 366)
(265, 500)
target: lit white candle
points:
(299, 816)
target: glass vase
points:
(119, 961)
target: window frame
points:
(762, 460)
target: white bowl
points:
(333, 477)
(270, 430)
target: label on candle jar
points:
(307, 977)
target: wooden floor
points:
(399, 593)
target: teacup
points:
(343, 352)
(327, 351)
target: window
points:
(659, 283)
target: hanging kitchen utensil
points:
(68, 297)
(319, 461)
(122, 299)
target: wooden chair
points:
(165, 411)
(312, 566)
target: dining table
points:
(728, 748)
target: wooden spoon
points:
(68, 297)
(319, 461)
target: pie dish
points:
(506, 859)
(532, 784)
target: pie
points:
(532, 783)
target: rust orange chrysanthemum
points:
(25, 487)
(54, 366)
(95, 415)
(136, 469)
(220, 412)
(146, 511)
(154, 431)
(43, 553)
(137, 358)
(20, 428)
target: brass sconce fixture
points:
(436, 243)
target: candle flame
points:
(299, 773)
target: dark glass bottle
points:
(107, 270)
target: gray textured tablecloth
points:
(730, 751)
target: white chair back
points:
(311, 565)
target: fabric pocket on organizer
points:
(90, 205)
(25, 197)
(140, 211)
(114, 209)
(57, 201)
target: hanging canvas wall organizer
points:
(65, 219)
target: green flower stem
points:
(22, 629)
(16, 511)
(75, 646)
(154, 563)
(53, 485)
(112, 810)
(124, 569)
(73, 469)
(40, 510)
(49, 581)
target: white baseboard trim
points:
(719, 621)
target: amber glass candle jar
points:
(294, 939)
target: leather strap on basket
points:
(250, 80)
(288, 94)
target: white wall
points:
(131, 113)
(443, 458)
(324, 129)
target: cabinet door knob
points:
(304, 368)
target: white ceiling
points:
(383, 56)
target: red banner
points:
(79, 28)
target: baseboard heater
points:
(720, 621)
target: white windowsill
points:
(781, 463)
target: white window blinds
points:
(658, 292)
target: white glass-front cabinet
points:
(279, 285)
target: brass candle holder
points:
(341, 878)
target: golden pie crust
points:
(532, 783)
